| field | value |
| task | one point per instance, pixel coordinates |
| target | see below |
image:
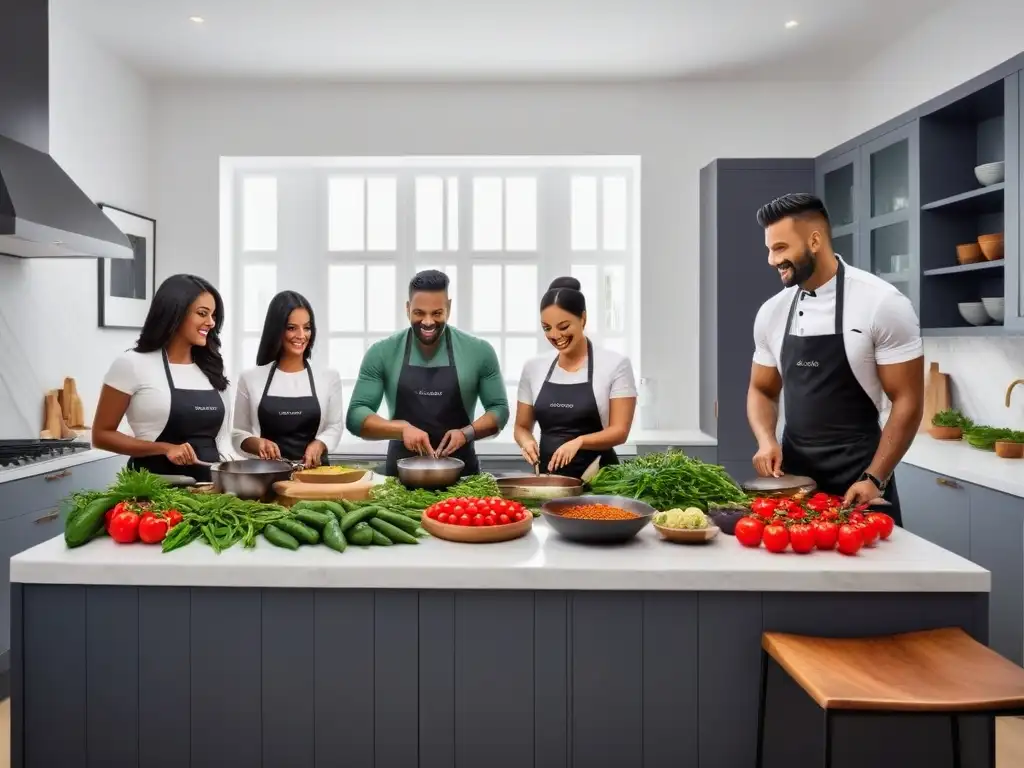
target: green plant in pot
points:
(949, 425)
(1010, 445)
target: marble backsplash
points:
(980, 370)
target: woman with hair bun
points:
(583, 397)
(285, 407)
(171, 386)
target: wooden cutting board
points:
(936, 395)
(290, 491)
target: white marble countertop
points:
(52, 465)
(958, 460)
(539, 561)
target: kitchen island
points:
(536, 652)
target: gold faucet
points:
(1009, 389)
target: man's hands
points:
(416, 440)
(453, 440)
(861, 492)
(768, 459)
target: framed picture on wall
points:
(126, 286)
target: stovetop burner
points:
(16, 453)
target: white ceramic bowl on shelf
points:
(973, 312)
(990, 173)
(995, 308)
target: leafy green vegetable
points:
(951, 418)
(985, 438)
(669, 480)
(393, 494)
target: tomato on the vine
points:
(748, 531)
(883, 523)
(172, 516)
(152, 529)
(801, 538)
(826, 534)
(124, 526)
(775, 538)
(868, 532)
(121, 506)
(850, 539)
(764, 507)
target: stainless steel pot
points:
(428, 472)
(543, 487)
(251, 479)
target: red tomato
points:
(458, 509)
(121, 506)
(868, 532)
(152, 529)
(850, 540)
(503, 518)
(883, 523)
(764, 507)
(519, 516)
(826, 534)
(124, 527)
(796, 514)
(433, 514)
(478, 519)
(442, 517)
(465, 519)
(748, 531)
(818, 503)
(856, 516)
(775, 538)
(489, 520)
(801, 538)
(173, 517)
(830, 514)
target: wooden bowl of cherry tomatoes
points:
(477, 521)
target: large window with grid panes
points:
(349, 233)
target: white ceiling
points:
(495, 39)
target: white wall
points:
(675, 128)
(99, 134)
(950, 48)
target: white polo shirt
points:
(880, 326)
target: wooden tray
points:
(472, 534)
(329, 478)
(290, 491)
(687, 535)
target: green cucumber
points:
(334, 508)
(83, 526)
(280, 538)
(314, 518)
(299, 530)
(333, 537)
(361, 535)
(349, 506)
(317, 506)
(360, 515)
(379, 539)
(421, 533)
(394, 533)
(407, 524)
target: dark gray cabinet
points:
(29, 515)
(735, 280)
(838, 181)
(982, 525)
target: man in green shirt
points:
(431, 375)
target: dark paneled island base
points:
(164, 677)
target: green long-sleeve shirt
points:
(475, 360)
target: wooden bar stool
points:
(943, 672)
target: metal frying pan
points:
(786, 485)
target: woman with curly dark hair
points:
(171, 386)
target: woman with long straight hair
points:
(171, 386)
(582, 397)
(285, 408)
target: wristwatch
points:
(880, 485)
(470, 433)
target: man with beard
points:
(431, 375)
(834, 341)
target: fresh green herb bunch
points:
(951, 418)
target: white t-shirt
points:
(142, 375)
(613, 377)
(250, 391)
(880, 326)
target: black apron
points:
(291, 422)
(429, 398)
(566, 411)
(195, 418)
(832, 430)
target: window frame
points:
(303, 227)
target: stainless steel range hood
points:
(43, 213)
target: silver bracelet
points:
(469, 433)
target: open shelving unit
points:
(957, 208)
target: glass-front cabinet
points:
(872, 197)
